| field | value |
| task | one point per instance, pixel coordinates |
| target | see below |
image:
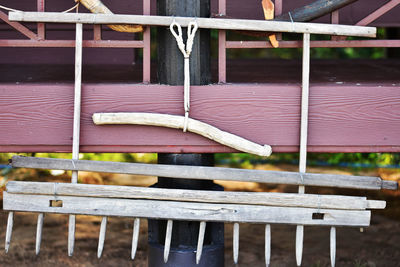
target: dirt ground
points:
(377, 245)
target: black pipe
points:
(170, 71)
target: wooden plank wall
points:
(343, 118)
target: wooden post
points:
(171, 71)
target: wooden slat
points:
(253, 198)
(209, 23)
(343, 118)
(171, 210)
(305, 91)
(207, 173)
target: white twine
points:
(191, 32)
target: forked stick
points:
(177, 122)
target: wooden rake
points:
(173, 204)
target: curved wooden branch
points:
(177, 122)
(97, 7)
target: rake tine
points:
(168, 236)
(333, 246)
(299, 244)
(39, 228)
(202, 230)
(235, 242)
(102, 236)
(71, 235)
(135, 237)
(10, 223)
(267, 244)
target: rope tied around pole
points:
(186, 51)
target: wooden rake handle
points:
(177, 122)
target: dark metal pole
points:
(170, 71)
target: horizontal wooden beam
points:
(207, 173)
(342, 117)
(209, 23)
(202, 196)
(156, 209)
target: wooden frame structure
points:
(18, 195)
(213, 209)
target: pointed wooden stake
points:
(303, 135)
(200, 241)
(267, 244)
(333, 246)
(102, 236)
(168, 236)
(76, 125)
(299, 244)
(71, 235)
(235, 242)
(10, 223)
(135, 237)
(39, 228)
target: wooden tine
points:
(168, 236)
(267, 244)
(39, 228)
(71, 234)
(76, 125)
(135, 237)
(333, 246)
(299, 243)
(200, 241)
(10, 223)
(235, 242)
(303, 135)
(102, 236)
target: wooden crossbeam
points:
(207, 173)
(173, 210)
(253, 198)
(209, 23)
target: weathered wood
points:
(168, 237)
(299, 243)
(209, 23)
(39, 228)
(71, 233)
(177, 122)
(305, 90)
(207, 173)
(102, 236)
(76, 123)
(235, 242)
(333, 246)
(267, 244)
(204, 196)
(171, 210)
(10, 223)
(200, 242)
(135, 237)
